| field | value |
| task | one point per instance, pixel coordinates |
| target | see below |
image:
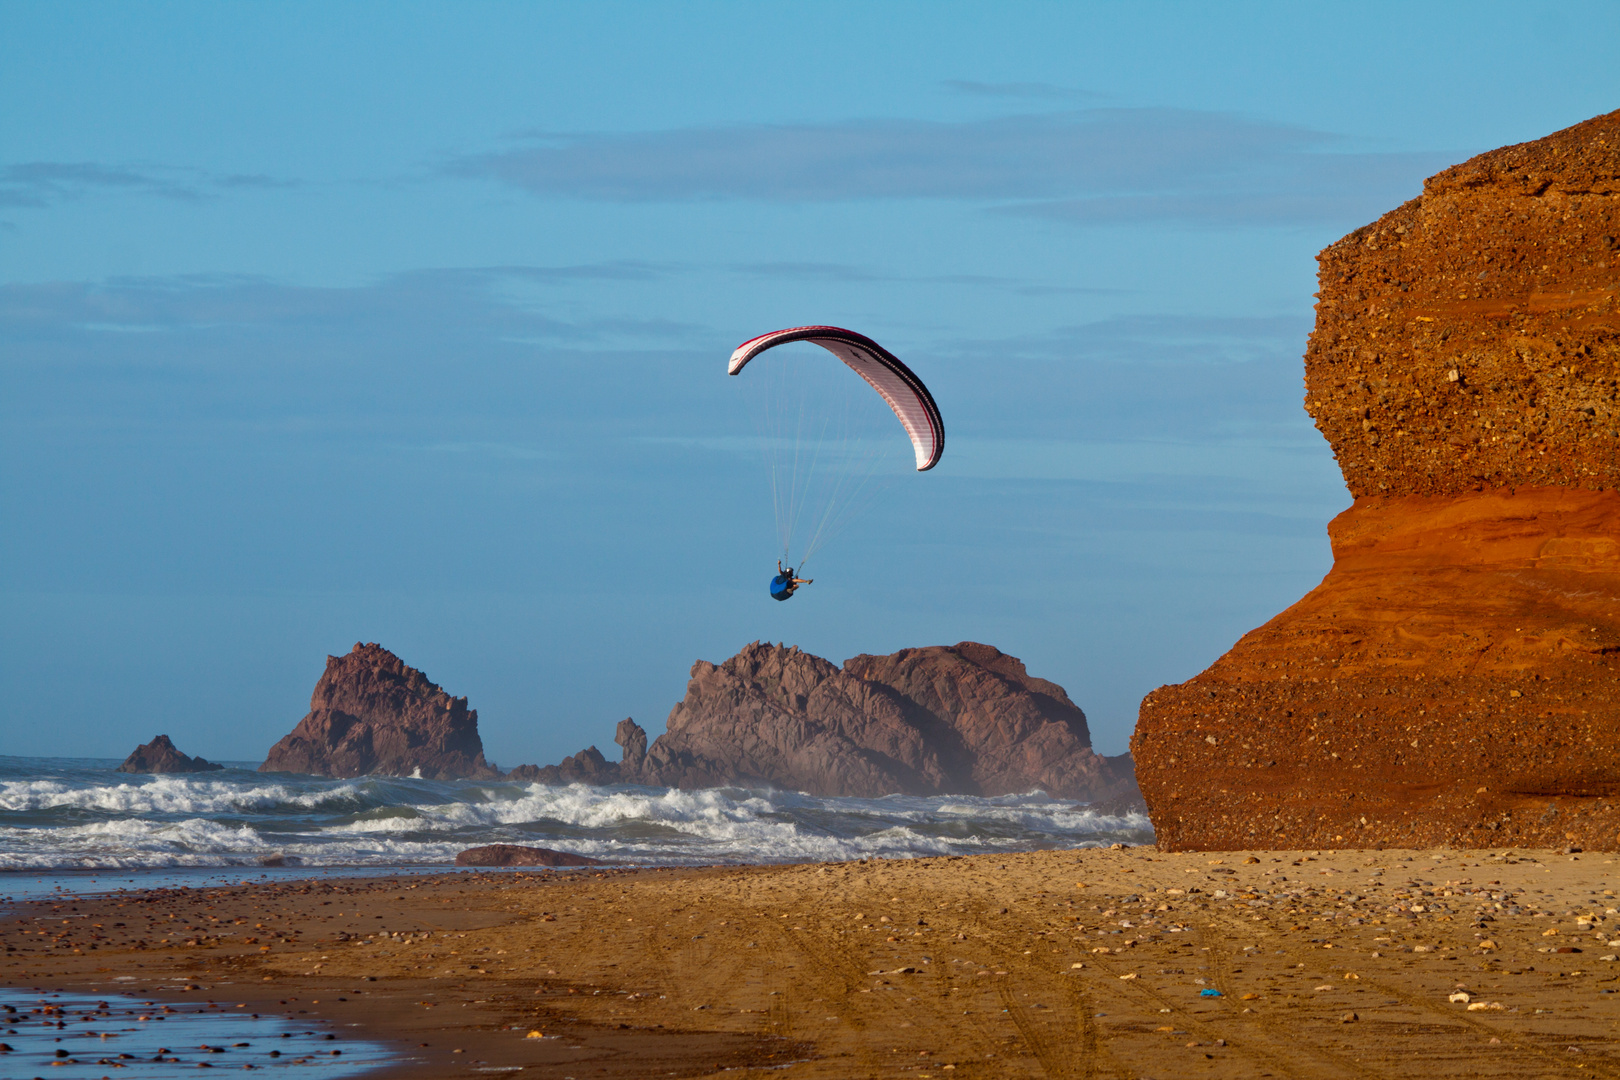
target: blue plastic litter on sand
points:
(1209, 993)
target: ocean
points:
(77, 819)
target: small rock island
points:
(372, 714)
(162, 756)
(963, 719)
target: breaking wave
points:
(62, 814)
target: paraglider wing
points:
(913, 405)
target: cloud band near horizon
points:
(1096, 167)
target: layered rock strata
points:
(1453, 678)
(372, 714)
(962, 719)
(162, 756)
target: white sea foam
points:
(82, 817)
(166, 795)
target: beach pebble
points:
(1459, 996)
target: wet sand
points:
(1092, 963)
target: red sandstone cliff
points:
(1453, 678)
(372, 714)
(962, 719)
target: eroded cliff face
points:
(372, 714)
(1453, 678)
(962, 719)
(1468, 339)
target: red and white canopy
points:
(900, 387)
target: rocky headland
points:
(1453, 678)
(162, 756)
(960, 719)
(372, 714)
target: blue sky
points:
(407, 322)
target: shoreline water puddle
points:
(68, 1036)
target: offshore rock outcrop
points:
(162, 756)
(962, 719)
(521, 855)
(1453, 680)
(372, 714)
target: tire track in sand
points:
(1451, 1016)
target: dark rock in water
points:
(962, 719)
(281, 860)
(518, 855)
(588, 767)
(371, 714)
(632, 740)
(1008, 731)
(162, 756)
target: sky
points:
(407, 322)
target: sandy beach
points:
(1105, 963)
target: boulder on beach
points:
(372, 714)
(1455, 679)
(958, 719)
(162, 756)
(518, 855)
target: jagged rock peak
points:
(162, 756)
(373, 714)
(958, 719)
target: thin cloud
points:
(254, 180)
(1301, 189)
(447, 304)
(844, 273)
(1019, 90)
(1156, 339)
(810, 271)
(618, 270)
(1017, 157)
(1091, 167)
(39, 184)
(1146, 376)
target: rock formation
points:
(963, 719)
(518, 855)
(162, 756)
(586, 767)
(371, 714)
(1453, 678)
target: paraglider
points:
(785, 583)
(820, 465)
